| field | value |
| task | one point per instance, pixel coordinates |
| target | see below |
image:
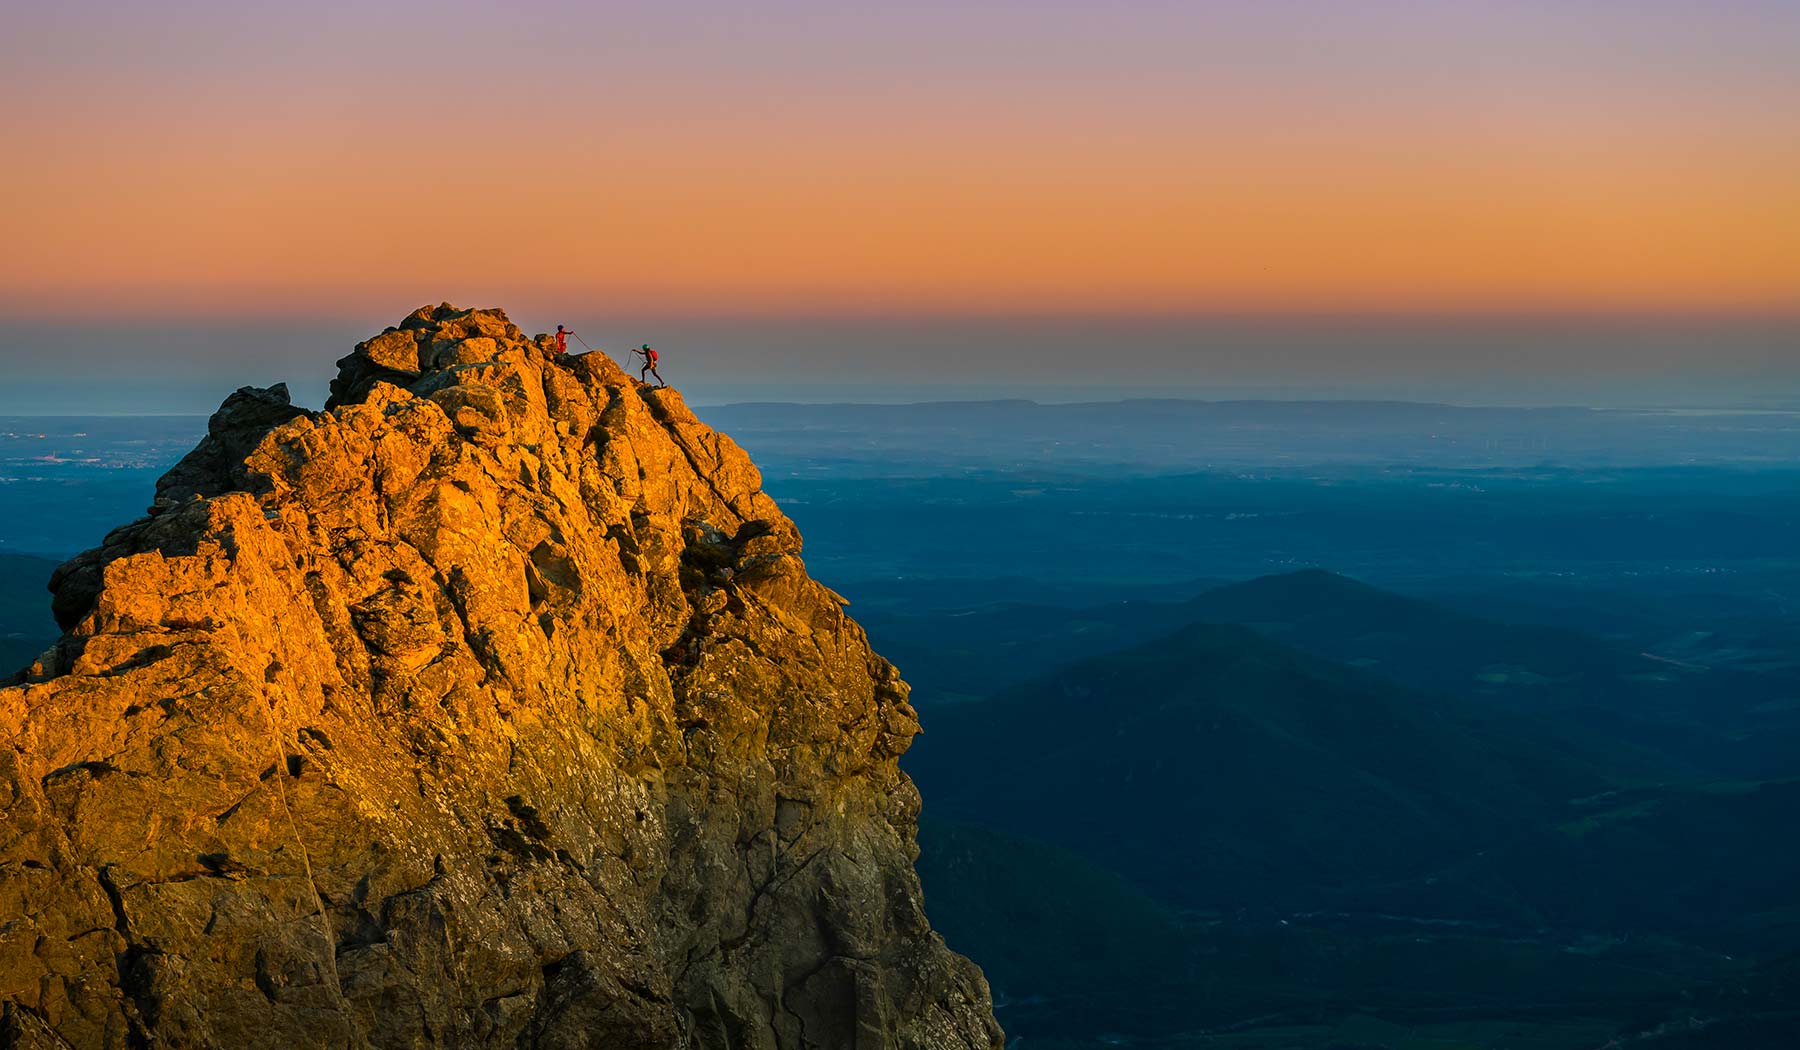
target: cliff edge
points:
(490, 706)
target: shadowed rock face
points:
(491, 706)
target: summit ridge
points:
(491, 705)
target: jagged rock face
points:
(491, 706)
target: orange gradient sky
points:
(245, 158)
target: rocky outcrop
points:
(490, 706)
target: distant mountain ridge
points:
(1326, 842)
(1222, 770)
(1653, 706)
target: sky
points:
(1602, 187)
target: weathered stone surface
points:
(216, 465)
(491, 706)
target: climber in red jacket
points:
(562, 339)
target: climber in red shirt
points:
(562, 339)
(649, 357)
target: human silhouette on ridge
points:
(650, 357)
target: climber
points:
(562, 339)
(649, 357)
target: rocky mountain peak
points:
(490, 705)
